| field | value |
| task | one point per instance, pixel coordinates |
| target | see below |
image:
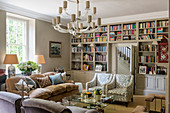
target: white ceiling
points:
(105, 8)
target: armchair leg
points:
(126, 104)
(131, 99)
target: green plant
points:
(27, 66)
(98, 91)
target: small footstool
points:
(80, 86)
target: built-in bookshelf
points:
(148, 56)
(94, 46)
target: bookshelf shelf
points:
(147, 63)
(163, 33)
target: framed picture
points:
(55, 49)
(142, 69)
(98, 68)
(86, 67)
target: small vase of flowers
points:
(97, 94)
(27, 67)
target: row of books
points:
(129, 26)
(116, 27)
(147, 48)
(160, 36)
(101, 39)
(88, 57)
(147, 31)
(160, 30)
(146, 37)
(147, 25)
(88, 35)
(76, 40)
(147, 59)
(76, 49)
(163, 23)
(115, 33)
(130, 32)
(100, 57)
(101, 48)
(99, 35)
(103, 29)
(88, 49)
(88, 40)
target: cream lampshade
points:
(11, 59)
(40, 60)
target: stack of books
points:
(163, 23)
(88, 49)
(88, 57)
(114, 28)
(146, 37)
(160, 30)
(147, 48)
(101, 48)
(76, 49)
(147, 25)
(100, 57)
(103, 29)
(129, 26)
(148, 59)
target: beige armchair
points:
(99, 81)
(120, 88)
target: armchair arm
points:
(91, 83)
(70, 81)
(18, 92)
(129, 88)
(109, 86)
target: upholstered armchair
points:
(99, 81)
(120, 88)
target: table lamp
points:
(11, 59)
(40, 60)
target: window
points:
(16, 38)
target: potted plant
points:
(97, 94)
(27, 67)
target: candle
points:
(54, 21)
(89, 18)
(81, 25)
(73, 18)
(69, 25)
(79, 13)
(94, 10)
(58, 19)
(64, 4)
(87, 4)
(60, 10)
(93, 25)
(99, 21)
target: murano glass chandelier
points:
(76, 26)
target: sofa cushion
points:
(35, 76)
(42, 93)
(29, 81)
(70, 86)
(93, 88)
(43, 82)
(56, 79)
(49, 73)
(122, 81)
(56, 89)
(118, 91)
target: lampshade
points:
(154, 43)
(11, 59)
(40, 59)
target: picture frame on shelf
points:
(55, 49)
(86, 67)
(142, 69)
(98, 68)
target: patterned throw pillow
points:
(43, 82)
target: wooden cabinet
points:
(146, 84)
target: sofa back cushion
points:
(122, 81)
(43, 81)
(56, 79)
(103, 78)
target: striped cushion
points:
(44, 81)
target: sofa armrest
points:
(70, 81)
(18, 92)
(90, 84)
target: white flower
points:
(29, 66)
(25, 68)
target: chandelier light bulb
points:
(87, 4)
(58, 19)
(79, 13)
(69, 26)
(89, 19)
(73, 18)
(65, 4)
(60, 10)
(94, 10)
(98, 21)
(81, 25)
(54, 21)
(93, 25)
